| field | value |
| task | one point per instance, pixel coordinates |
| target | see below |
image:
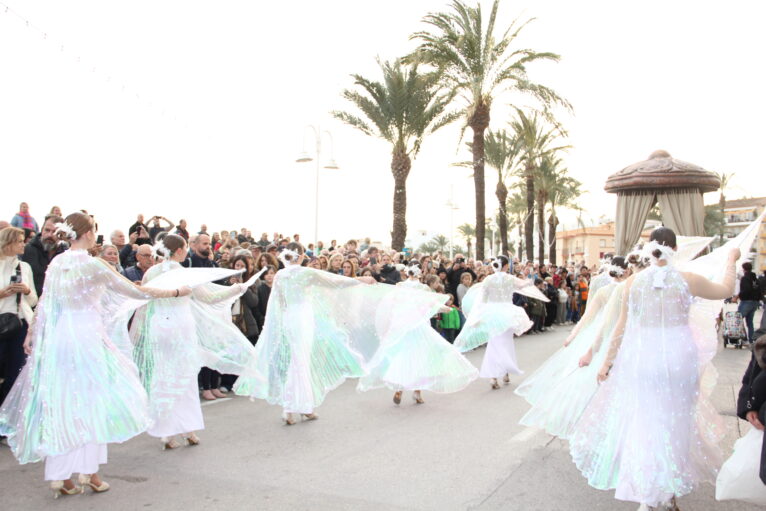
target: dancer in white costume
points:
(566, 359)
(322, 328)
(559, 406)
(640, 434)
(78, 391)
(173, 339)
(492, 318)
(602, 279)
(421, 359)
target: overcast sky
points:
(197, 109)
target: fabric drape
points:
(683, 211)
(632, 210)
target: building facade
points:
(588, 244)
(738, 214)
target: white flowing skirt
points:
(83, 460)
(641, 434)
(500, 357)
(184, 416)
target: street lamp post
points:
(305, 157)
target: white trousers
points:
(500, 357)
(83, 460)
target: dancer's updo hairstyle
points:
(663, 236)
(173, 242)
(500, 262)
(80, 223)
(620, 262)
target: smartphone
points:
(373, 260)
(100, 239)
(14, 279)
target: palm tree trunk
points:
(479, 122)
(468, 246)
(400, 168)
(553, 223)
(521, 239)
(722, 205)
(529, 223)
(541, 229)
(502, 220)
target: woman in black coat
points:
(751, 404)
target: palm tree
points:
(534, 140)
(501, 151)
(562, 191)
(725, 182)
(467, 232)
(441, 242)
(402, 109)
(517, 209)
(477, 63)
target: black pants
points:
(12, 358)
(209, 379)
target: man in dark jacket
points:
(751, 404)
(749, 298)
(456, 271)
(42, 249)
(388, 272)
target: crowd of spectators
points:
(132, 255)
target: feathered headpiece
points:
(289, 257)
(161, 250)
(413, 270)
(67, 229)
(619, 271)
(666, 253)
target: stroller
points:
(734, 331)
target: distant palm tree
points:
(402, 109)
(502, 151)
(517, 209)
(428, 248)
(725, 182)
(535, 141)
(561, 190)
(467, 232)
(478, 63)
(441, 242)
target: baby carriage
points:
(734, 332)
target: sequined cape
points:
(489, 310)
(77, 387)
(322, 328)
(174, 337)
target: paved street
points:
(456, 452)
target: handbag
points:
(10, 323)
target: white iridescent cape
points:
(566, 359)
(657, 394)
(421, 359)
(489, 309)
(174, 337)
(539, 385)
(77, 387)
(557, 406)
(322, 328)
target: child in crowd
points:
(449, 322)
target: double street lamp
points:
(330, 164)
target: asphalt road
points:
(464, 451)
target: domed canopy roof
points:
(662, 172)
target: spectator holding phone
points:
(156, 228)
(17, 297)
(455, 272)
